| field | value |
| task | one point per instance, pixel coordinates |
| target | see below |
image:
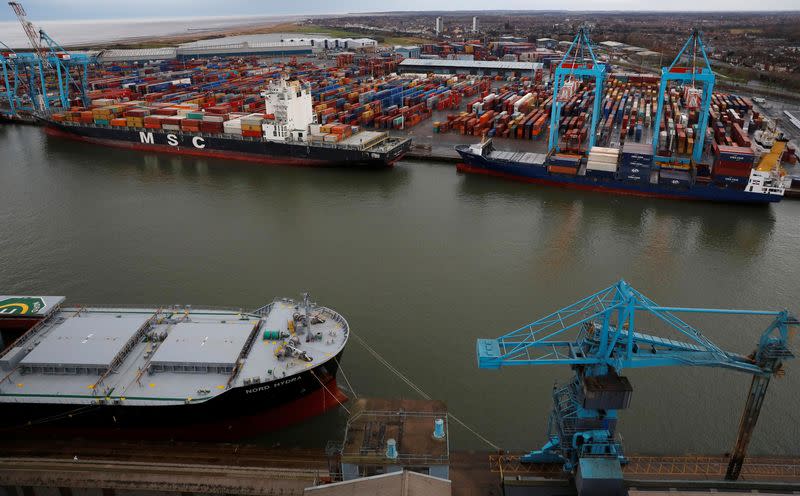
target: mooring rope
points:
(344, 376)
(416, 388)
(329, 392)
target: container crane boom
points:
(62, 60)
(30, 32)
(599, 337)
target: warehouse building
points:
(258, 45)
(136, 54)
(471, 67)
(408, 52)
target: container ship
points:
(168, 372)
(632, 171)
(286, 133)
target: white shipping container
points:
(522, 101)
(601, 166)
(232, 124)
(601, 149)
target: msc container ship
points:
(286, 133)
(168, 372)
(734, 178)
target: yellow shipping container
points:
(134, 121)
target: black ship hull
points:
(229, 147)
(237, 413)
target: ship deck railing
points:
(149, 308)
(321, 144)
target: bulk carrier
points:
(286, 133)
(168, 372)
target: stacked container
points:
(636, 162)
(251, 125)
(564, 163)
(732, 164)
(602, 162)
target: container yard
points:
(222, 96)
(217, 97)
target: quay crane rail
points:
(694, 74)
(583, 63)
(582, 424)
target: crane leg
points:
(758, 390)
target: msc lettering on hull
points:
(172, 140)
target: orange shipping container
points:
(560, 169)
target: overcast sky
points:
(116, 9)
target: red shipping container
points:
(731, 171)
(211, 127)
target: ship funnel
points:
(438, 428)
(391, 449)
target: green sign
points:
(21, 305)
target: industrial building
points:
(548, 43)
(408, 52)
(472, 67)
(612, 46)
(253, 45)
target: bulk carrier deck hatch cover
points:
(90, 343)
(200, 346)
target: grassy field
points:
(342, 33)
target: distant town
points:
(762, 47)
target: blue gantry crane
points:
(24, 80)
(25, 74)
(578, 62)
(690, 77)
(63, 62)
(599, 337)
